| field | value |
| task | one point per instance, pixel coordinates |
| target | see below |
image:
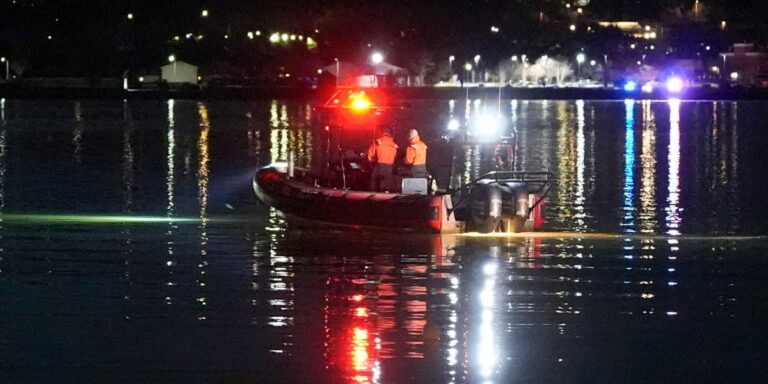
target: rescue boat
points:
(498, 201)
(501, 200)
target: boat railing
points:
(512, 176)
(542, 182)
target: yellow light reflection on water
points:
(202, 144)
(566, 164)
(202, 183)
(647, 216)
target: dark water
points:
(204, 285)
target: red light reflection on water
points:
(351, 344)
(360, 346)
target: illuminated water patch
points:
(606, 236)
(96, 219)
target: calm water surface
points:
(206, 285)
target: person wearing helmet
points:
(416, 155)
(381, 154)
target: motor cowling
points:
(485, 208)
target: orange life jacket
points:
(416, 153)
(383, 150)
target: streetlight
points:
(377, 58)
(580, 58)
(6, 61)
(477, 66)
(468, 68)
(204, 13)
(172, 59)
(338, 73)
(523, 59)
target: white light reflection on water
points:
(579, 202)
(128, 159)
(2, 177)
(170, 153)
(77, 133)
(733, 182)
(169, 183)
(487, 353)
(281, 284)
(3, 155)
(673, 210)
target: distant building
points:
(744, 65)
(178, 73)
(634, 29)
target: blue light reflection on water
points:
(628, 223)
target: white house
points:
(179, 72)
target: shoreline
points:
(266, 93)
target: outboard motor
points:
(485, 208)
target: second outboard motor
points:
(485, 208)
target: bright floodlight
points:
(2, 59)
(204, 13)
(487, 126)
(377, 58)
(477, 59)
(674, 84)
(453, 125)
(580, 58)
(171, 58)
(468, 66)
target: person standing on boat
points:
(382, 154)
(416, 154)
